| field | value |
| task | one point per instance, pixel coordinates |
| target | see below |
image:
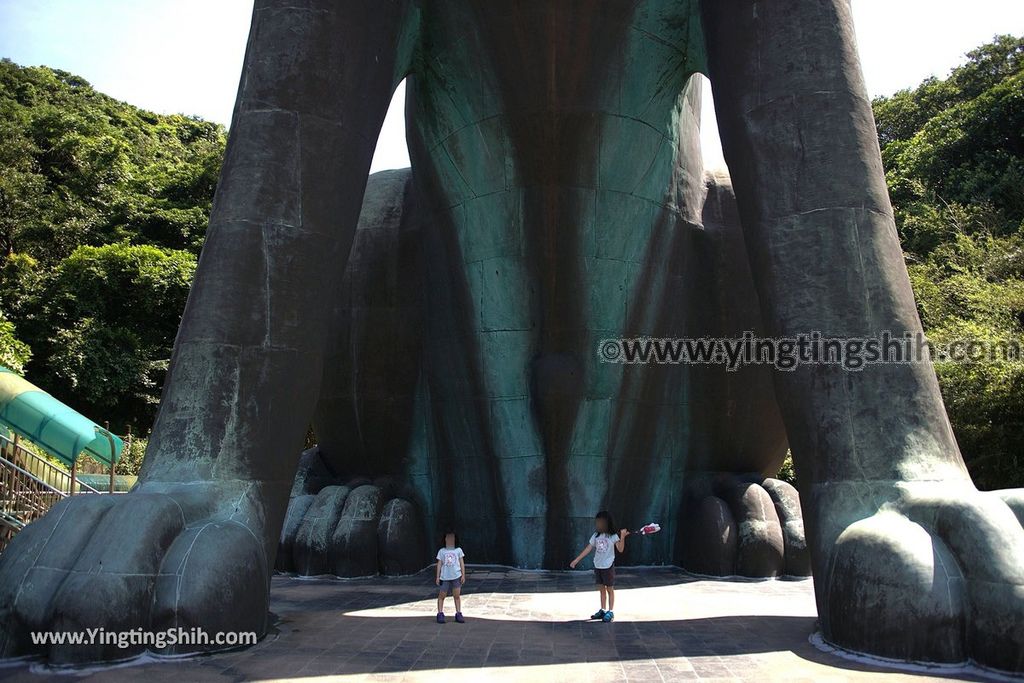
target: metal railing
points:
(41, 468)
(8, 527)
(29, 486)
(26, 497)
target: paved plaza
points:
(528, 626)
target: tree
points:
(14, 353)
(80, 168)
(104, 322)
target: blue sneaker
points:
(599, 614)
(608, 616)
(440, 617)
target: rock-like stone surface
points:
(161, 557)
(313, 550)
(356, 529)
(759, 544)
(298, 507)
(354, 541)
(399, 538)
(710, 539)
(743, 526)
(787, 505)
(915, 577)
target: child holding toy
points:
(604, 542)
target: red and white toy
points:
(648, 529)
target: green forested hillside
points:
(103, 209)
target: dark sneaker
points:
(608, 616)
(458, 618)
(599, 614)
(440, 617)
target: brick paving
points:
(522, 625)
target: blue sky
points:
(185, 55)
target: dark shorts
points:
(450, 587)
(605, 577)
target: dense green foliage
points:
(14, 353)
(954, 154)
(78, 167)
(103, 322)
(103, 210)
(787, 472)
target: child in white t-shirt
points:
(450, 574)
(604, 542)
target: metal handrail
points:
(8, 527)
(11, 521)
(25, 473)
(25, 498)
(56, 472)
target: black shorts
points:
(605, 577)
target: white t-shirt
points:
(449, 559)
(604, 549)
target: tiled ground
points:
(523, 626)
